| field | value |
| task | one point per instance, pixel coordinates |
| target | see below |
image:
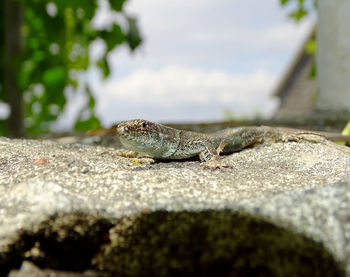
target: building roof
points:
(297, 89)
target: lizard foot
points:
(215, 164)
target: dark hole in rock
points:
(65, 242)
(212, 243)
(205, 243)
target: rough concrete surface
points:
(283, 209)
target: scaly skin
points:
(162, 142)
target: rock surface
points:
(282, 210)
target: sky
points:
(199, 59)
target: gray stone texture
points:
(283, 209)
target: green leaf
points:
(298, 14)
(346, 131)
(113, 37)
(133, 35)
(38, 56)
(91, 102)
(117, 5)
(92, 123)
(54, 76)
(33, 43)
(24, 73)
(310, 47)
(283, 2)
(104, 66)
(71, 32)
(313, 70)
(3, 128)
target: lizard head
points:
(143, 136)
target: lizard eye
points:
(143, 124)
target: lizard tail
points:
(327, 135)
(335, 136)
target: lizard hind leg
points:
(221, 147)
(208, 153)
(211, 156)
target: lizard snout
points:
(133, 129)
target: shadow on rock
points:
(205, 243)
(211, 243)
(63, 242)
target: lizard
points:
(165, 143)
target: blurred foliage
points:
(346, 131)
(56, 36)
(228, 114)
(3, 125)
(300, 8)
(310, 48)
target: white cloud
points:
(276, 37)
(251, 35)
(178, 88)
(198, 58)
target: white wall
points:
(333, 57)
